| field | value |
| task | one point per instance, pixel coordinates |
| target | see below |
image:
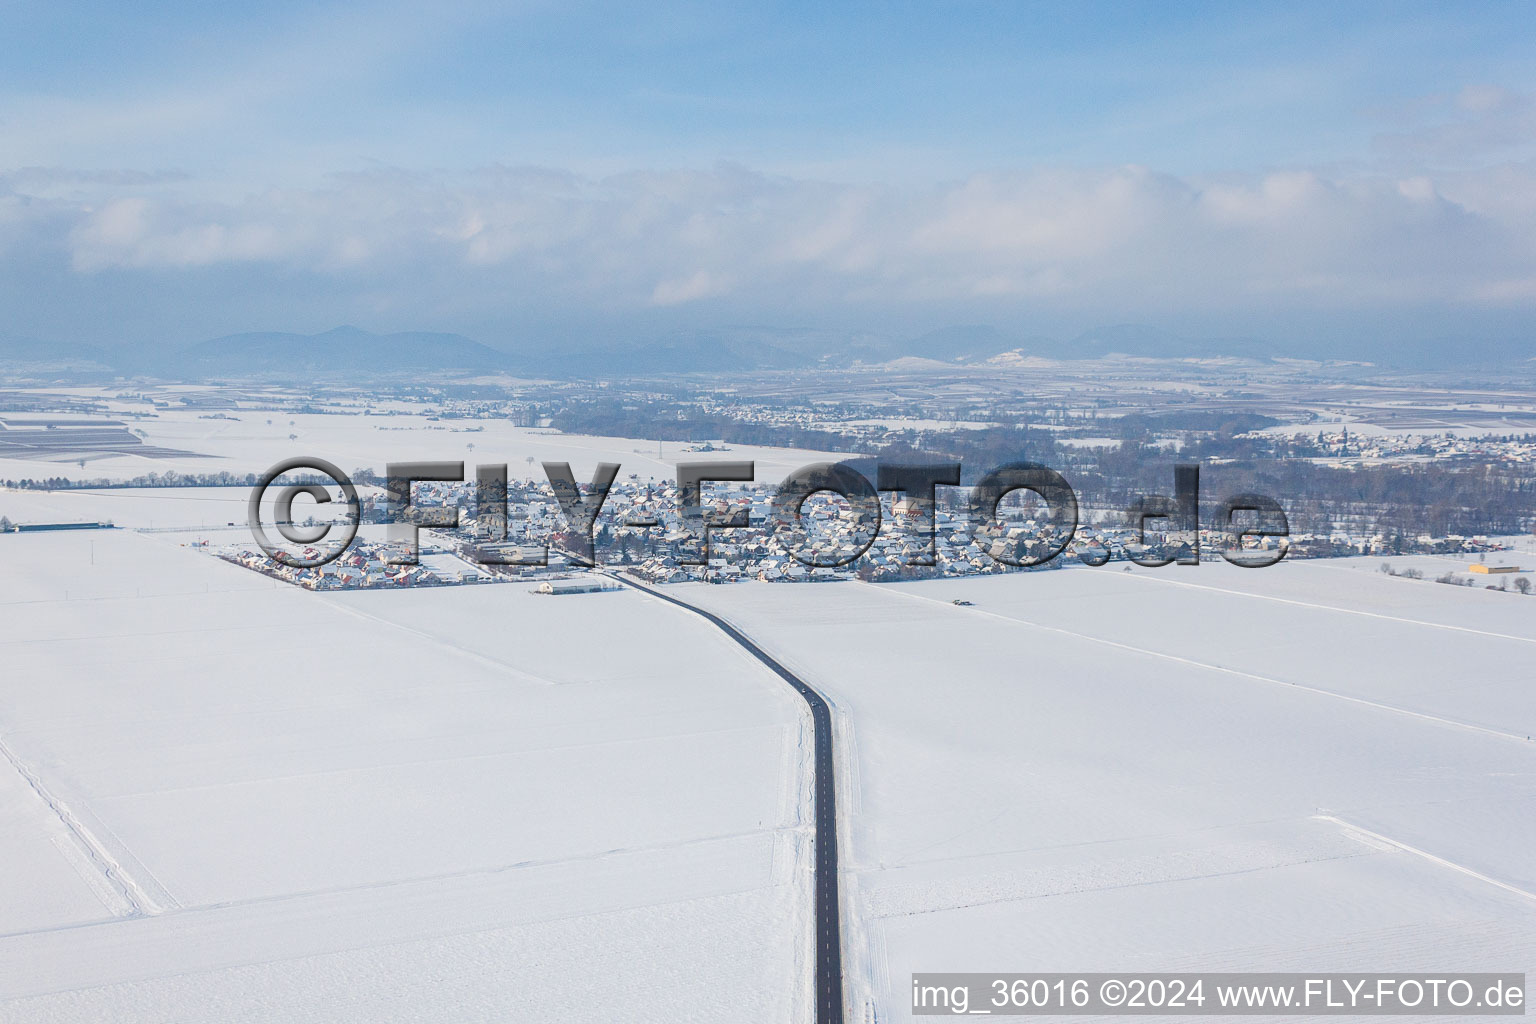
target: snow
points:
(37, 846)
(228, 799)
(1098, 770)
(151, 507)
(476, 804)
(247, 443)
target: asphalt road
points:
(829, 946)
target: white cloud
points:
(671, 293)
(1125, 238)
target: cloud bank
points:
(1125, 240)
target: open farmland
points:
(1302, 768)
(221, 795)
(223, 792)
(249, 440)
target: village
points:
(642, 532)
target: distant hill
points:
(701, 351)
(1156, 343)
(734, 349)
(982, 343)
(963, 342)
(22, 356)
(717, 350)
(741, 349)
(344, 350)
(356, 355)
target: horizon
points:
(356, 352)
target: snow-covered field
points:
(228, 800)
(197, 508)
(1298, 768)
(250, 441)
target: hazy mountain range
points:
(349, 352)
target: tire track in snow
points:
(1315, 606)
(1192, 663)
(140, 903)
(1396, 844)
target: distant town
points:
(1364, 461)
(540, 545)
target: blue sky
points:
(519, 171)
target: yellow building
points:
(1490, 569)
